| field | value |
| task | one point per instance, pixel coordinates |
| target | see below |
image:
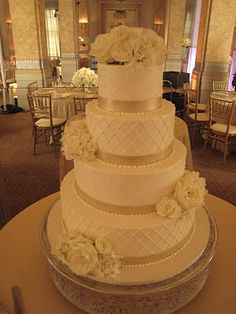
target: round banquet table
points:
(62, 100)
(227, 96)
(22, 263)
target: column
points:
(175, 18)
(214, 44)
(68, 28)
(29, 35)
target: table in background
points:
(228, 96)
(62, 100)
(23, 263)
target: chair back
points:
(186, 87)
(221, 111)
(32, 87)
(166, 84)
(191, 100)
(80, 103)
(219, 85)
(43, 104)
(167, 89)
(192, 96)
(31, 105)
(10, 75)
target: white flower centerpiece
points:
(129, 45)
(85, 78)
(85, 256)
(188, 195)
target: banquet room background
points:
(40, 38)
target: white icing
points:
(131, 134)
(130, 236)
(131, 186)
(130, 82)
(139, 131)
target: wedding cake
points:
(128, 206)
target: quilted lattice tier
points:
(132, 236)
(136, 134)
(130, 185)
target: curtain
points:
(52, 31)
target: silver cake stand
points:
(150, 297)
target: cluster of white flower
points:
(85, 77)
(87, 257)
(188, 195)
(77, 141)
(126, 44)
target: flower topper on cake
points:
(188, 195)
(127, 45)
(87, 257)
(85, 77)
(77, 141)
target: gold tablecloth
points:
(62, 100)
(23, 263)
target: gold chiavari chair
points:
(32, 87)
(220, 85)
(49, 127)
(192, 101)
(196, 116)
(220, 128)
(167, 88)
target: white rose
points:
(109, 265)
(84, 77)
(61, 248)
(76, 237)
(102, 246)
(168, 207)
(129, 45)
(102, 47)
(82, 258)
(190, 191)
(77, 142)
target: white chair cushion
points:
(39, 115)
(45, 123)
(219, 127)
(201, 107)
(201, 116)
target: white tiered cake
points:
(128, 206)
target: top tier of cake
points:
(130, 69)
(138, 85)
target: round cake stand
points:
(153, 297)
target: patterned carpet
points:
(29, 178)
(220, 178)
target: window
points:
(52, 31)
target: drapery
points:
(52, 29)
